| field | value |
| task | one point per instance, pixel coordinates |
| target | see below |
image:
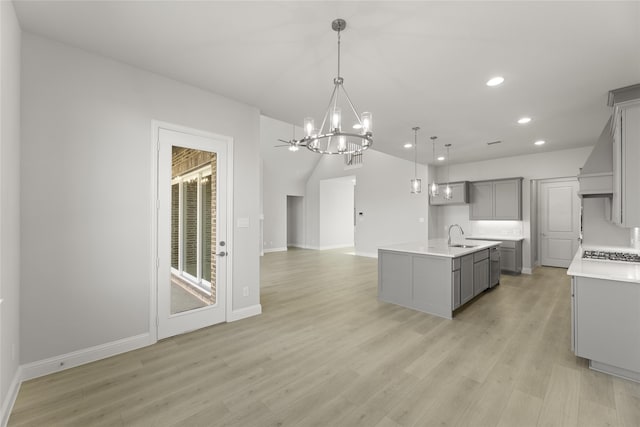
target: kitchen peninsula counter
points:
(432, 276)
(440, 247)
(605, 313)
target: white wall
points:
(597, 229)
(283, 173)
(86, 195)
(336, 212)
(295, 221)
(10, 38)
(554, 164)
(390, 213)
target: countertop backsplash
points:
(496, 228)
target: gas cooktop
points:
(611, 256)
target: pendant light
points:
(448, 193)
(434, 191)
(416, 183)
(330, 138)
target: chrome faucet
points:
(450, 227)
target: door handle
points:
(222, 253)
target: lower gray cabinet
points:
(511, 256)
(606, 325)
(480, 276)
(466, 278)
(455, 280)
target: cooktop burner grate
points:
(611, 256)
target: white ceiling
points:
(410, 63)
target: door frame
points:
(156, 125)
(539, 183)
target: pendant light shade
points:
(433, 188)
(448, 192)
(416, 183)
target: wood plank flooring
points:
(325, 352)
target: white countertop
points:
(439, 247)
(503, 237)
(603, 269)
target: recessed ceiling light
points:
(440, 158)
(524, 120)
(540, 142)
(495, 81)
(408, 145)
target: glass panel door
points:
(191, 281)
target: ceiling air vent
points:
(494, 142)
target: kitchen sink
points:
(462, 246)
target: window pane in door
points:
(175, 224)
(190, 226)
(206, 228)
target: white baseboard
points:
(367, 254)
(10, 398)
(87, 355)
(274, 250)
(243, 313)
(325, 248)
(526, 270)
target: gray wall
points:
(9, 198)
(86, 196)
(336, 212)
(284, 173)
(391, 214)
(295, 221)
(597, 229)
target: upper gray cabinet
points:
(496, 199)
(626, 156)
(459, 194)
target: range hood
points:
(596, 176)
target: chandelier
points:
(330, 138)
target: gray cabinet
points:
(466, 278)
(606, 325)
(496, 199)
(481, 198)
(626, 155)
(459, 194)
(480, 271)
(455, 280)
(511, 256)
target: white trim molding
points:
(243, 313)
(88, 355)
(526, 270)
(266, 251)
(10, 398)
(367, 254)
(326, 248)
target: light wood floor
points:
(325, 352)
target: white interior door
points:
(559, 221)
(192, 244)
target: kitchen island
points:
(435, 277)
